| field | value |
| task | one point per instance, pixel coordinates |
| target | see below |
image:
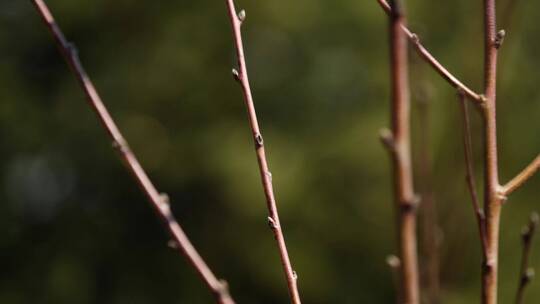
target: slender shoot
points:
(241, 76)
(159, 201)
(470, 176)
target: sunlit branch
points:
(241, 75)
(522, 177)
(428, 57)
(159, 201)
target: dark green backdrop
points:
(74, 228)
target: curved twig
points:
(522, 177)
(158, 200)
(428, 57)
(241, 75)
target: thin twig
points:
(526, 274)
(159, 201)
(241, 75)
(427, 56)
(428, 209)
(398, 143)
(492, 199)
(470, 176)
(522, 177)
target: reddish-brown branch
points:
(241, 75)
(522, 177)
(470, 176)
(428, 57)
(159, 201)
(493, 199)
(398, 142)
(526, 274)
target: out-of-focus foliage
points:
(74, 228)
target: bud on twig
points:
(242, 16)
(236, 75)
(499, 38)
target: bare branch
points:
(470, 176)
(241, 75)
(526, 274)
(522, 177)
(398, 143)
(428, 57)
(492, 199)
(159, 201)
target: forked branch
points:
(526, 274)
(429, 58)
(158, 200)
(522, 177)
(241, 75)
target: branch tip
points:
(387, 138)
(236, 75)
(272, 223)
(481, 214)
(525, 233)
(242, 16)
(415, 38)
(535, 219)
(529, 274)
(165, 198)
(393, 261)
(259, 141)
(499, 38)
(121, 146)
(222, 289)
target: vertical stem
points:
(493, 201)
(241, 76)
(404, 196)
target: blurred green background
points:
(74, 228)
